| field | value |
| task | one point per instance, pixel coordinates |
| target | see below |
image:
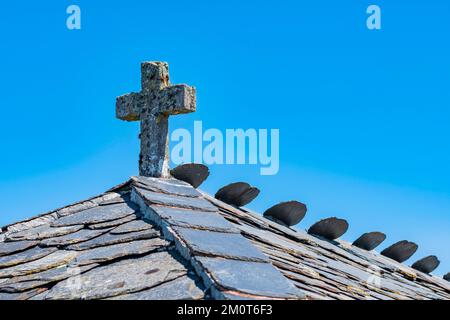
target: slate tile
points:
(21, 296)
(194, 219)
(76, 237)
(228, 245)
(55, 259)
(7, 248)
(120, 278)
(25, 256)
(133, 226)
(113, 223)
(183, 288)
(97, 214)
(42, 232)
(168, 186)
(24, 283)
(109, 239)
(112, 252)
(118, 199)
(175, 201)
(255, 278)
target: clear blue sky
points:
(363, 115)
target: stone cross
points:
(152, 107)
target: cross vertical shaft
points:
(152, 106)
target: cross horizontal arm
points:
(128, 106)
(177, 99)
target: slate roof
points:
(163, 239)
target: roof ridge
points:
(211, 244)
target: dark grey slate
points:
(369, 241)
(109, 239)
(7, 248)
(42, 232)
(97, 214)
(287, 213)
(330, 228)
(113, 223)
(132, 226)
(194, 218)
(237, 194)
(168, 186)
(230, 245)
(21, 296)
(427, 264)
(192, 173)
(255, 278)
(400, 251)
(183, 288)
(113, 252)
(31, 281)
(76, 237)
(25, 256)
(447, 277)
(53, 260)
(126, 276)
(176, 201)
(25, 283)
(120, 199)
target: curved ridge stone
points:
(193, 173)
(238, 194)
(286, 213)
(400, 251)
(369, 241)
(427, 264)
(330, 228)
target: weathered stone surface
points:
(230, 245)
(238, 194)
(112, 252)
(42, 232)
(400, 251)
(255, 278)
(21, 296)
(25, 256)
(97, 214)
(153, 105)
(77, 207)
(113, 223)
(287, 213)
(27, 282)
(175, 201)
(427, 264)
(330, 228)
(133, 226)
(369, 241)
(76, 237)
(194, 218)
(192, 173)
(447, 277)
(32, 223)
(183, 288)
(115, 200)
(168, 186)
(7, 248)
(120, 278)
(21, 286)
(108, 239)
(55, 259)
